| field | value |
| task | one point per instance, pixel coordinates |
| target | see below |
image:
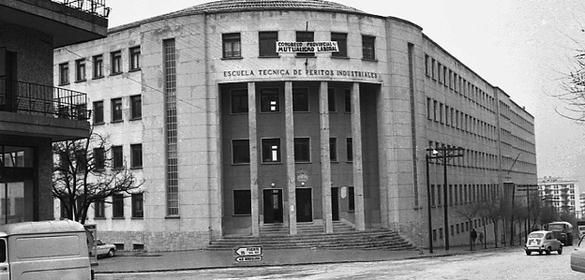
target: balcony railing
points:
(37, 99)
(95, 7)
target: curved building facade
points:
(231, 135)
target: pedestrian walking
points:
(480, 237)
(473, 235)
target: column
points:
(325, 158)
(253, 142)
(358, 172)
(290, 157)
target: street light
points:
(442, 153)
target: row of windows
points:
(456, 83)
(461, 227)
(116, 110)
(137, 206)
(461, 194)
(232, 44)
(97, 62)
(270, 100)
(243, 201)
(521, 122)
(451, 117)
(117, 157)
(470, 158)
(271, 150)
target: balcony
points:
(42, 100)
(94, 7)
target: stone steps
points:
(312, 236)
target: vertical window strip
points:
(170, 91)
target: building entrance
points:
(335, 203)
(304, 205)
(272, 206)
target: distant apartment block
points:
(559, 192)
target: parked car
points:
(104, 249)
(578, 256)
(542, 241)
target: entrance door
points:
(335, 203)
(304, 205)
(272, 206)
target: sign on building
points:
(306, 47)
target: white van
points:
(44, 250)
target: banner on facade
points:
(306, 47)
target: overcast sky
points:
(522, 46)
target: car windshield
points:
(556, 226)
(536, 235)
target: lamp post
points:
(443, 153)
(430, 224)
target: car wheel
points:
(528, 252)
(111, 253)
(540, 252)
(560, 250)
(548, 250)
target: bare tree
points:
(495, 210)
(470, 212)
(574, 90)
(83, 174)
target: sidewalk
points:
(203, 259)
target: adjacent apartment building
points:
(33, 112)
(561, 193)
(231, 135)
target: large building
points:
(231, 135)
(561, 193)
(34, 113)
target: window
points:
(241, 151)
(136, 156)
(117, 157)
(118, 206)
(269, 100)
(331, 99)
(99, 209)
(134, 54)
(271, 150)
(99, 158)
(305, 36)
(333, 149)
(98, 66)
(347, 98)
(341, 39)
(98, 112)
(300, 99)
(432, 195)
(302, 150)
(116, 62)
(136, 107)
(429, 108)
(137, 205)
(239, 101)
(350, 199)
(242, 202)
(267, 45)
(64, 73)
(116, 109)
(427, 66)
(80, 70)
(349, 149)
(369, 47)
(231, 45)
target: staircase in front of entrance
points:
(309, 235)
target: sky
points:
(525, 47)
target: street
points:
(504, 264)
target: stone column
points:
(253, 142)
(325, 158)
(358, 172)
(290, 157)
